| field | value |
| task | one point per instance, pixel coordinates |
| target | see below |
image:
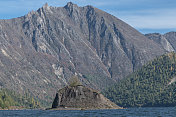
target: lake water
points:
(131, 112)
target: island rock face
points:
(82, 97)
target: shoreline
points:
(61, 108)
(67, 108)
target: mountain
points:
(152, 85)
(166, 41)
(40, 51)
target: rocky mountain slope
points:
(82, 97)
(166, 41)
(40, 51)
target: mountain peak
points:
(45, 5)
(170, 33)
(70, 5)
(45, 8)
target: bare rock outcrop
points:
(162, 40)
(82, 97)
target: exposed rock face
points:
(82, 97)
(171, 37)
(166, 41)
(40, 51)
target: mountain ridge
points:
(166, 41)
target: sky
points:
(147, 16)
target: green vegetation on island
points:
(11, 100)
(74, 81)
(153, 85)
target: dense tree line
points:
(152, 85)
(10, 99)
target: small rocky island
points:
(79, 97)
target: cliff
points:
(81, 97)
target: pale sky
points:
(147, 16)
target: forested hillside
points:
(11, 100)
(152, 85)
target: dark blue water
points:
(131, 112)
